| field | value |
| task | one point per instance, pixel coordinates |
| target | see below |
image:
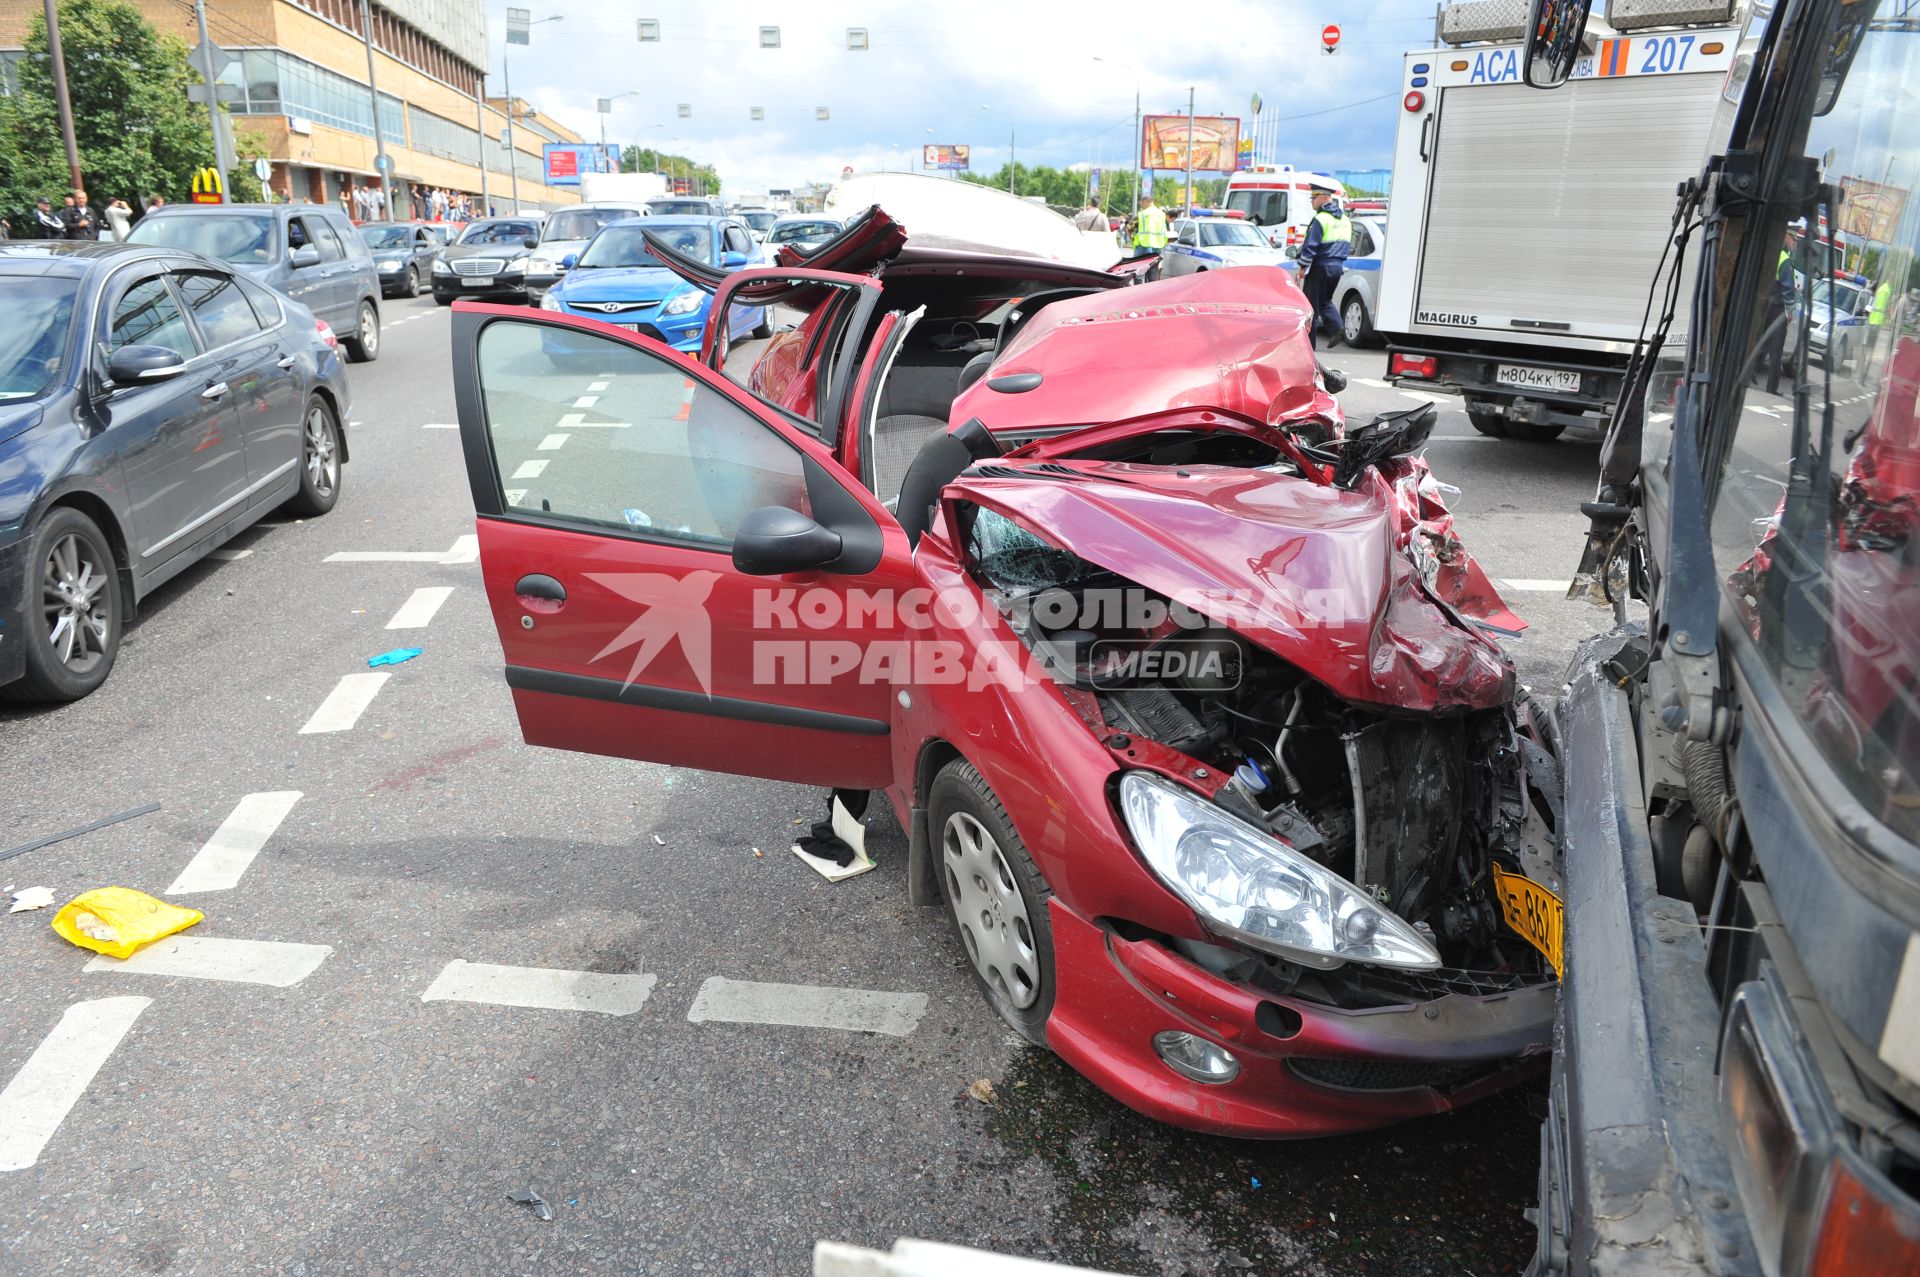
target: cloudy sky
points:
(932, 68)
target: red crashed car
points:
(1181, 688)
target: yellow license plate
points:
(1534, 912)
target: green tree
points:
(640, 159)
(138, 135)
(249, 144)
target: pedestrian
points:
(120, 218)
(46, 222)
(154, 203)
(1149, 229)
(1779, 309)
(1090, 218)
(1877, 320)
(1323, 256)
(80, 221)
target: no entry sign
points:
(1330, 37)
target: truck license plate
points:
(1537, 378)
(1534, 912)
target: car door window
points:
(219, 307)
(1362, 241)
(325, 240)
(147, 315)
(266, 303)
(657, 456)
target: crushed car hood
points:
(1222, 339)
(1308, 572)
(968, 216)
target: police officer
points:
(1150, 229)
(1323, 257)
(1782, 301)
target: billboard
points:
(1216, 142)
(566, 161)
(940, 156)
(1872, 211)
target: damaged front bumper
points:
(1305, 1068)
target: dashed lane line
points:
(465, 549)
(57, 1074)
(541, 988)
(578, 421)
(219, 864)
(439, 425)
(1375, 382)
(228, 556)
(530, 469)
(586, 401)
(515, 495)
(346, 702)
(551, 442)
(419, 608)
(598, 385)
(1420, 396)
(271, 962)
(808, 1006)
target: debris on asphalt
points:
(119, 921)
(528, 1197)
(50, 839)
(31, 898)
(658, 841)
(1255, 1179)
(836, 848)
(395, 657)
(982, 1090)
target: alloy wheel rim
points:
(323, 462)
(369, 330)
(1350, 324)
(74, 601)
(987, 903)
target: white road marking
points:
(1900, 1039)
(545, 988)
(270, 962)
(529, 469)
(228, 556)
(1374, 382)
(578, 421)
(1765, 412)
(1660, 416)
(419, 608)
(551, 442)
(440, 425)
(515, 495)
(386, 556)
(1461, 439)
(346, 702)
(1534, 585)
(586, 401)
(219, 864)
(598, 385)
(56, 1075)
(466, 549)
(810, 1006)
(1420, 395)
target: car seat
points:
(940, 461)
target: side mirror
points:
(1293, 252)
(733, 261)
(1554, 32)
(1336, 381)
(529, 242)
(143, 365)
(305, 255)
(570, 261)
(774, 539)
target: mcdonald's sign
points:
(208, 188)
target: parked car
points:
(489, 260)
(1258, 901)
(805, 231)
(1359, 286)
(1836, 323)
(616, 280)
(310, 252)
(153, 404)
(685, 206)
(565, 234)
(403, 253)
(1214, 243)
(759, 220)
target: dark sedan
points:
(403, 254)
(153, 403)
(488, 261)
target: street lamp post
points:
(1133, 163)
(506, 81)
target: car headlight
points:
(390, 265)
(441, 268)
(683, 303)
(1249, 885)
(541, 266)
(549, 302)
(518, 266)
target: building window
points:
(277, 83)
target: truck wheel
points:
(1486, 420)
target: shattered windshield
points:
(1816, 526)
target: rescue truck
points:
(1525, 226)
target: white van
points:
(1274, 197)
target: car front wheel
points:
(1355, 327)
(73, 611)
(413, 281)
(364, 345)
(996, 898)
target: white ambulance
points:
(1526, 227)
(1273, 197)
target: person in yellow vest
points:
(1150, 229)
(1323, 257)
(1877, 318)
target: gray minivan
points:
(310, 252)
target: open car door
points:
(647, 559)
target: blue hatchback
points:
(615, 280)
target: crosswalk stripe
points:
(811, 1006)
(271, 962)
(219, 864)
(346, 702)
(540, 988)
(56, 1075)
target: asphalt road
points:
(292, 1103)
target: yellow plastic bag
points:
(119, 921)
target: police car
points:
(1209, 241)
(1355, 297)
(1837, 320)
